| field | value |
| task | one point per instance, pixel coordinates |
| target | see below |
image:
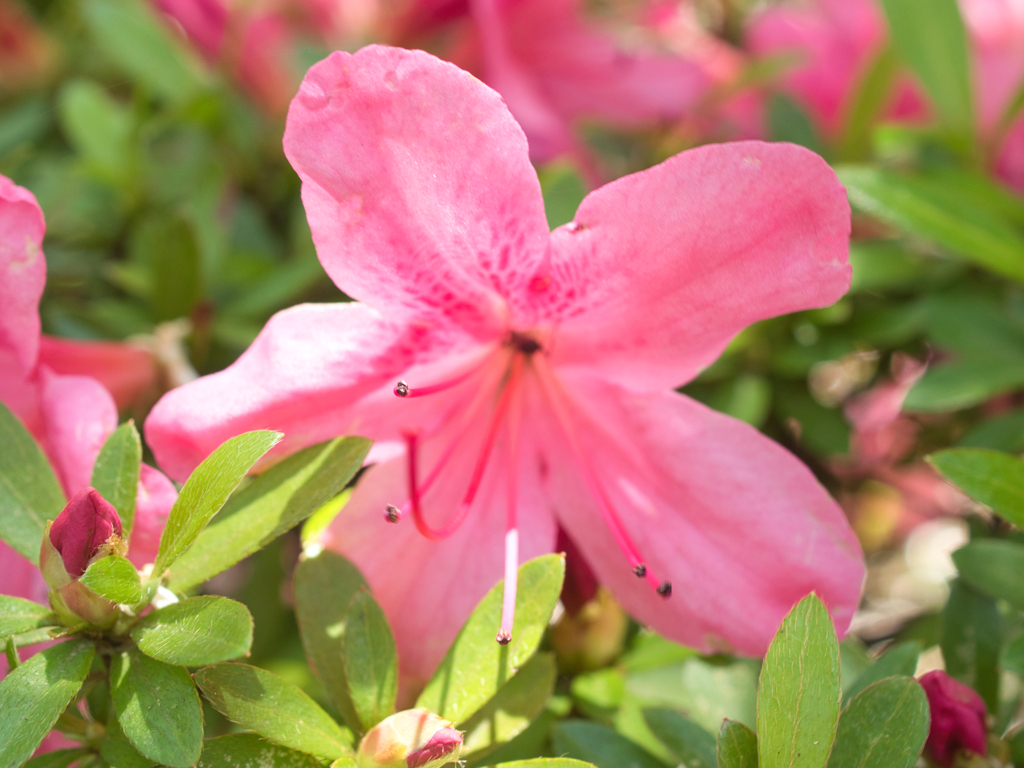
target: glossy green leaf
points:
(994, 566)
(686, 740)
(18, 615)
(516, 704)
(114, 578)
(799, 693)
(273, 503)
(371, 663)
(157, 707)
(546, 762)
(900, 659)
(476, 666)
(133, 37)
(60, 758)
(29, 492)
(600, 745)
(274, 708)
(993, 478)
(116, 473)
(737, 746)
(324, 588)
(205, 492)
(927, 208)
(971, 640)
(884, 726)
(1005, 432)
(196, 632)
(35, 694)
(322, 517)
(929, 36)
(247, 750)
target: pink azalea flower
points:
(70, 416)
(534, 369)
(958, 718)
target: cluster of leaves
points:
(166, 192)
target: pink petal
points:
(662, 268)
(154, 501)
(79, 415)
(22, 273)
(301, 376)
(20, 392)
(428, 588)
(418, 188)
(204, 21)
(740, 527)
(126, 371)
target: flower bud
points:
(87, 529)
(414, 738)
(958, 718)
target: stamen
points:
(402, 389)
(453, 524)
(392, 513)
(604, 505)
(508, 602)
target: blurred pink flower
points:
(836, 41)
(69, 415)
(537, 367)
(958, 718)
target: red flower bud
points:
(87, 527)
(958, 718)
(414, 738)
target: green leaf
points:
(35, 694)
(476, 666)
(737, 746)
(172, 250)
(971, 640)
(273, 708)
(29, 492)
(686, 740)
(938, 213)
(884, 726)
(900, 659)
(133, 37)
(273, 503)
(247, 750)
(60, 758)
(868, 101)
(995, 566)
(205, 492)
(799, 693)
(196, 632)
(929, 36)
(116, 472)
(546, 762)
(118, 751)
(516, 704)
(1013, 656)
(114, 578)
(371, 663)
(97, 126)
(322, 517)
(993, 478)
(157, 707)
(788, 121)
(18, 615)
(324, 588)
(597, 744)
(563, 191)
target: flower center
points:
(518, 352)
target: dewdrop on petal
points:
(414, 738)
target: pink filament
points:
(415, 492)
(508, 603)
(604, 505)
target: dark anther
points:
(402, 389)
(665, 589)
(525, 344)
(640, 570)
(392, 514)
(504, 638)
